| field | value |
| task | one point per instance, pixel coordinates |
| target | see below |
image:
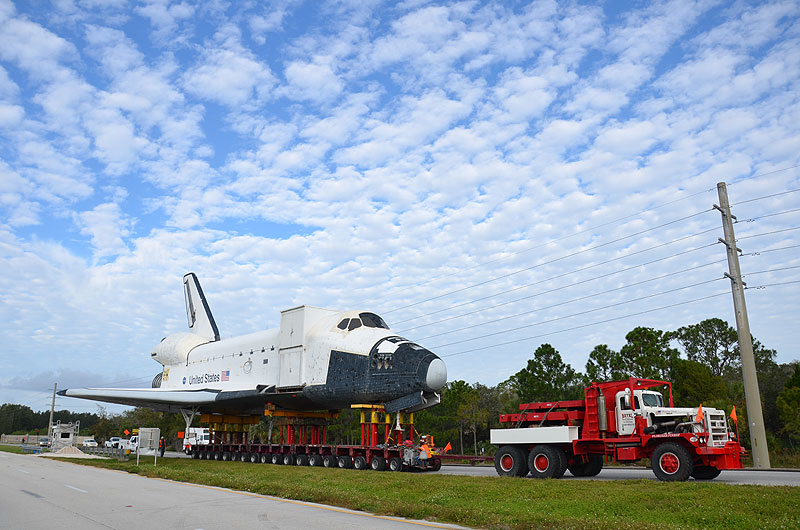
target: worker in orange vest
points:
(162, 446)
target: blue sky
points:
(380, 154)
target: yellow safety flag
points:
(699, 418)
(447, 447)
(733, 414)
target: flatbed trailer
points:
(302, 442)
(619, 421)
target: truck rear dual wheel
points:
(547, 461)
(302, 460)
(314, 460)
(289, 459)
(510, 461)
(360, 463)
(329, 461)
(254, 458)
(345, 462)
(705, 472)
(590, 468)
(276, 459)
(671, 462)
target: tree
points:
(712, 342)
(693, 383)
(546, 377)
(788, 404)
(648, 353)
(604, 364)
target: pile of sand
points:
(70, 452)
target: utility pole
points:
(755, 417)
(52, 408)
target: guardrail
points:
(30, 448)
(111, 452)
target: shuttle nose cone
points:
(437, 375)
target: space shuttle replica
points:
(317, 359)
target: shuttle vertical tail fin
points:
(201, 321)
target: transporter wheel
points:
(671, 462)
(345, 462)
(236, 456)
(395, 464)
(510, 461)
(265, 459)
(246, 457)
(562, 465)
(195, 455)
(378, 463)
(218, 456)
(204, 455)
(276, 458)
(302, 460)
(436, 464)
(544, 461)
(360, 463)
(314, 460)
(254, 458)
(705, 472)
(289, 459)
(329, 461)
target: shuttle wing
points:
(173, 400)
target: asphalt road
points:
(742, 476)
(739, 476)
(41, 494)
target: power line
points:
(769, 233)
(577, 299)
(550, 261)
(742, 179)
(586, 230)
(752, 219)
(580, 313)
(515, 341)
(581, 269)
(766, 197)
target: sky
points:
(488, 176)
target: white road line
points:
(23, 471)
(76, 489)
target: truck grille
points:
(717, 428)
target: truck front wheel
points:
(705, 472)
(510, 462)
(671, 462)
(545, 461)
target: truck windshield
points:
(653, 400)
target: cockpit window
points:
(371, 320)
(354, 323)
(343, 323)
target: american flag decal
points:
(226, 375)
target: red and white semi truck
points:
(621, 421)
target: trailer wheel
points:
(218, 456)
(395, 464)
(254, 458)
(314, 460)
(302, 460)
(277, 459)
(509, 461)
(360, 463)
(671, 462)
(345, 462)
(289, 459)
(544, 461)
(195, 455)
(329, 461)
(263, 458)
(436, 465)
(705, 472)
(378, 463)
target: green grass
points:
(11, 449)
(495, 502)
